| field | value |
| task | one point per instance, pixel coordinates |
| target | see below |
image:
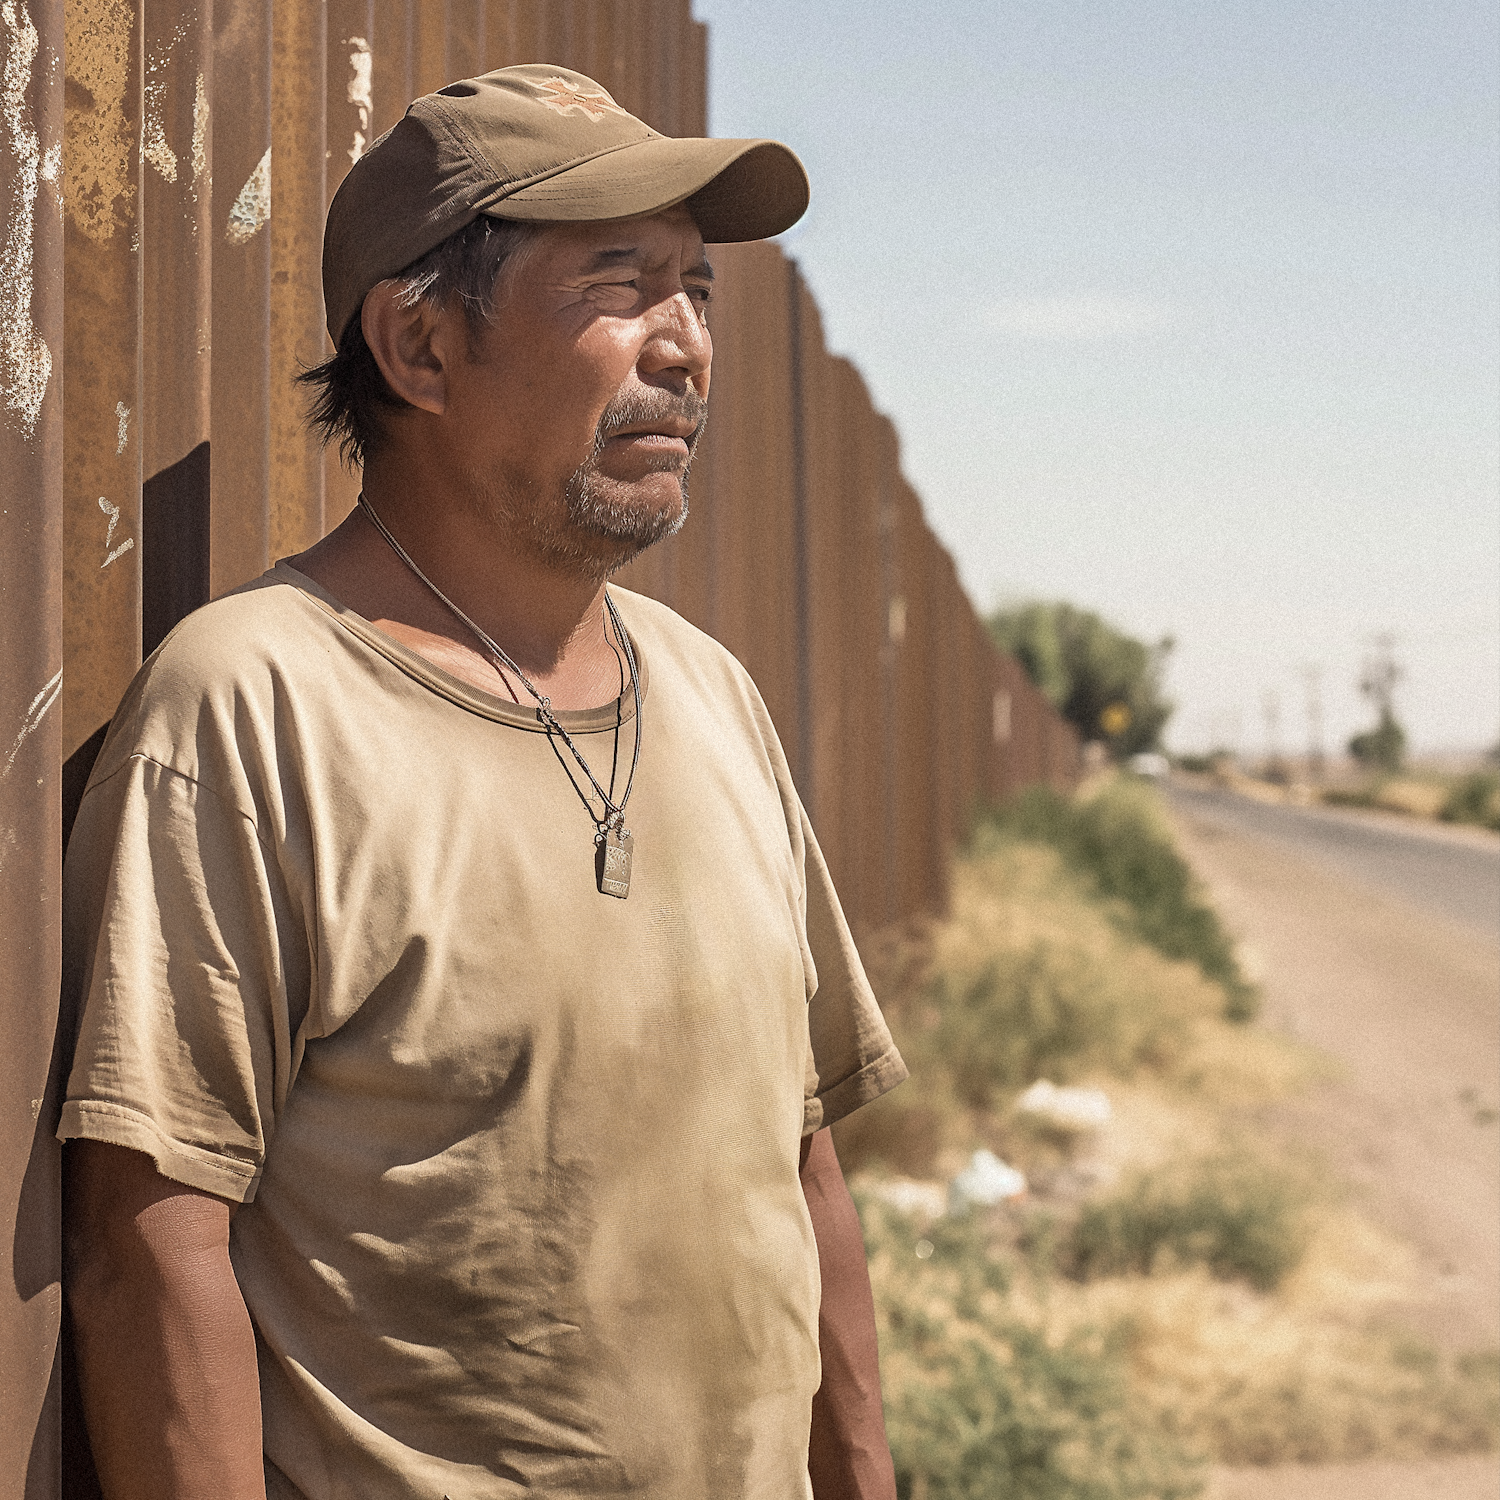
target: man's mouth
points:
(674, 436)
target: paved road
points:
(1379, 946)
(1449, 873)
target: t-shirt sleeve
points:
(180, 952)
(851, 1057)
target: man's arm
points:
(166, 1355)
(848, 1456)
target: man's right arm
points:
(166, 1354)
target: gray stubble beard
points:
(581, 531)
(603, 535)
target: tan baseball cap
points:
(542, 144)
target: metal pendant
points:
(612, 859)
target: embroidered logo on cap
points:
(563, 96)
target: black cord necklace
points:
(614, 845)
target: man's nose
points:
(679, 341)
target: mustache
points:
(643, 407)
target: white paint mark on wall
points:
(155, 147)
(1000, 717)
(37, 711)
(25, 359)
(122, 415)
(200, 134)
(52, 170)
(252, 208)
(113, 512)
(895, 622)
(359, 92)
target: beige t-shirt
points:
(518, 1159)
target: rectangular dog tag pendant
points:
(614, 856)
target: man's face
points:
(583, 400)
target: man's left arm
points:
(848, 1456)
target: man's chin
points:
(604, 531)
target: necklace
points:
(614, 845)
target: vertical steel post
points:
(31, 587)
(101, 365)
(239, 459)
(298, 340)
(802, 765)
(176, 313)
(349, 110)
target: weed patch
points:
(1116, 840)
(1474, 799)
(1236, 1217)
(1174, 1287)
(981, 1403)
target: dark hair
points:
(349, 390)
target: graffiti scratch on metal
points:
(35, 713)
(98, 138)
(358, 93)
(25, 359)
(113, 512)
(252, 208)
(122, 415)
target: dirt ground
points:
(1407, 1005)
(1450, 1479)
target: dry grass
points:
(1030, 978)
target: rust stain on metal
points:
(98, 143)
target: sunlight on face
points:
(590, 389)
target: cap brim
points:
(735, 190)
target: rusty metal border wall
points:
(165, 166)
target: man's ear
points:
(412, 345)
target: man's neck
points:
(551, 623)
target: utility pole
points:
(1270, 707)
(1312, 682)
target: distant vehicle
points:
(1149, 763)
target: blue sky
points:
(1186, 313)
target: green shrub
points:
(1239, 1219)
(1116, 840)
(1474, 799)
(980, 1405)
(1046, 1011)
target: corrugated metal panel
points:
(32, 335)
(176, 286)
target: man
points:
(463, 997)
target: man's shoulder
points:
(229, 654)
(663, 633)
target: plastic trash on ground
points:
(984, 1182)
(1066, 1108)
